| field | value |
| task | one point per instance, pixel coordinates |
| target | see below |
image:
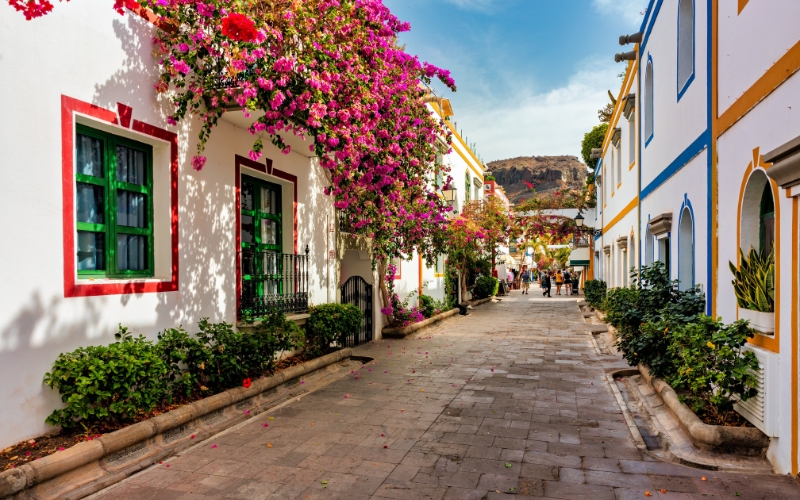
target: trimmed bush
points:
(330, 323)
(711, 365)
(114, 382)
(125, 380)
(595, 292)
(427, 306)
(485, 286)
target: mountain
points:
(546, 173)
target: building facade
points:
(719, 164)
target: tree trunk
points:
(382, 284)
(463, 280)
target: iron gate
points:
(358, 292)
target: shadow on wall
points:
(315, 216)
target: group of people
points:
(546, 280)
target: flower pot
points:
(762, 322)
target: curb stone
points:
(735, 440)
(91, 466)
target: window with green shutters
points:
(261, 237)
(113, 205)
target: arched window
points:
(685, 44)
(631, 255)
(648, 247)
(686, 250)
(648, 102)
(757, 228)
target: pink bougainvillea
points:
(330, 71)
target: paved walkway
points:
(509, 402)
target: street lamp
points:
(449, 194)
(579, 220)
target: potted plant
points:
(754, 284)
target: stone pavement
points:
(509, 402)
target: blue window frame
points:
(649, 87)
(686, 49)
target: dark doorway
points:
(358, 292)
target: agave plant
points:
(754, 281)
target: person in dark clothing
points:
(546, 285)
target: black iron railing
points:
(273, 281)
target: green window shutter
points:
(114, 205)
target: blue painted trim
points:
(694, 149)
(682, 90)
(650, 22)
(709, 289)
(649, 96)
(646, 16)
(686, 204)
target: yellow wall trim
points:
(623, 91)
(630, 206)
(435, 107)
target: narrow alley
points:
(510, 401)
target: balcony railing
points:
(273, 281)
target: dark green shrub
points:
(645, 312)
(186, 358)
(427, 306)
(485, 286)
(330, 323)
(710, 364)
(595, 292)
(114, 382)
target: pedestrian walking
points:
(525, 277)
(567, 282)
(559, 282)
(546, 284)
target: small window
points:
(467, 189)
(685, 43)
(612, 170)
(438, 267)
(113, 205)
(632, 139)
(648, 102)
(686, 251)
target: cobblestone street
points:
(509, 402)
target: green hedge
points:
(665, 328)
(122, 381)
(329, 323)
(485, 286)
(595, 292)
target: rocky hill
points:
(546, 173)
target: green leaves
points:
(329, 323)
(123, 380)
(713, 376)
(754, 280)
(595, 292)
(485, 286)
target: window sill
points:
(101, 280)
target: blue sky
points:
(531, 74)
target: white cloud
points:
(632, 11)
(545, 123)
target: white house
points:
(718, 150)
(618, 189)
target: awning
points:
(578, 263)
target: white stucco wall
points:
(677, 123)
(751, 42)
(94, 55)
(772, 123)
